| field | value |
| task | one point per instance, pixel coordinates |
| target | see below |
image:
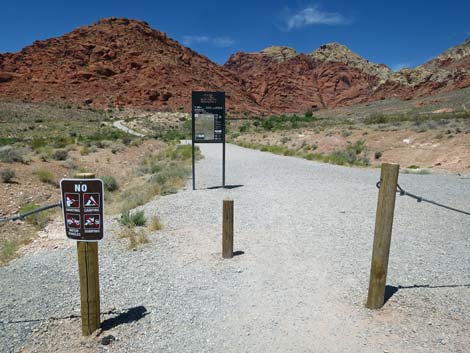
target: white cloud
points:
(222, 42)
(312, 15)
(399, 66)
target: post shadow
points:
(391, 290)
(225, 187)
(130, 315)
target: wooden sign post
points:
(88, 269)
(227, 230)
(382, 235)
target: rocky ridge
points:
(119, 62)
(116, 62)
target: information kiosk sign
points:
(208, 123)
(82, 204)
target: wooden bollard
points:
(382, 235)
(88, 269)
(227, 230)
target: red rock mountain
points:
(332, 75)
(116, 62)
(121, 62)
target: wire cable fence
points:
(21, 216)
(403, 192)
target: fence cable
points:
(26, 214)
(403, 192)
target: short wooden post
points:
(88, 269)
(382, 235)
(227, 230)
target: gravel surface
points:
(305, 230)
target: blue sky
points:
(398, 33)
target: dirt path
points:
(305, 230)
(119, 125)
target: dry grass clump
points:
(155, 224)
(135, 236)
(46, 176)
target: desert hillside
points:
(125, 63)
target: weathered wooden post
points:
(227, 230)
(89, 280)
(382, 235)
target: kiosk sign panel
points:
(82, 204)
(208, 117)
(208, 123)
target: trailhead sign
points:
(208, 123)
(208, 117)
(82, 204)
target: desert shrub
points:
(7, 140)
(126, 140)
(354, 154)
(172, 135)
(155, 224)
(134, 237)
(38, 142)
(7, 175)
(245, 127)
(346, 133)
(9, 154)
(46, 176)
(110, 183)
(60, 155)
(133, 219)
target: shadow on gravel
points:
(238, 253)
(225, 187)
(391, 290)
(130, 315)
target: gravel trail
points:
(305, 230)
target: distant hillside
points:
(122, 62)
(116, 62)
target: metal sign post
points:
(82, 200)
(208, 123)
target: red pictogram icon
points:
(72, 200)
(73, 221)
(92, 221)
(91, 200)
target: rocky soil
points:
(303, 235)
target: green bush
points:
(7, 175)
(46, 176)
(110, 183)
(133, 219)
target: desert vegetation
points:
(42, 143)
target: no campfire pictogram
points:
(91, 200)
(92, 221)
(73, 221)
(72, 200)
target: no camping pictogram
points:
(92, 221)
(91, 200)
(73, 221)
(72, 200)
